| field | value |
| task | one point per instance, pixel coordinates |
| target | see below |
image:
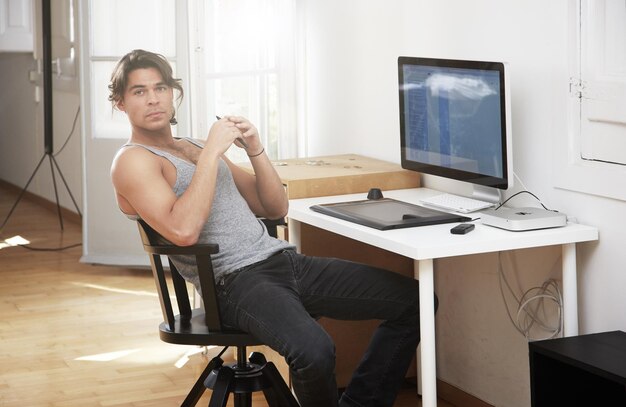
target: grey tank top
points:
(241, 236)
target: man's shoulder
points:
(133, 152)
(133, 156)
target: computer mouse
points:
(375, 193)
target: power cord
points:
(531, 313)
(524, 192)
(69, 136)
(50, 249)
(531, 306)
(513, 196)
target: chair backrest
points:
(202, 253)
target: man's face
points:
(147, 100)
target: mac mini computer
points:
(520, 219)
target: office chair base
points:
(245, 377)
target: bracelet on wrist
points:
(258, 154)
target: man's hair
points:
(140, 59)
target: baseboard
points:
(139, 261)
(43, 202)
(453, 395)
(458, 397)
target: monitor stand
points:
(487, 194)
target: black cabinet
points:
(585, 370)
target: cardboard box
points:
(340, 174)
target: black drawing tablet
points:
(386, 213)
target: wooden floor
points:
(75, 335)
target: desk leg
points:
(570, 290)
(423, 271)
(293, 229)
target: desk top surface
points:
(435, 241)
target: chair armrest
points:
(272, 225)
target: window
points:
(116, 27)
(241, 55)
(243, 63)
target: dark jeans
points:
(278, 300)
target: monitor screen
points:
(454, 121)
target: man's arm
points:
(144, 187)
(140, 183)
(263, 191)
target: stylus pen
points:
(243, 143)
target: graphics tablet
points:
(386, 213)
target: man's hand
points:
(263, 191)
(249, 134)
(222, 134)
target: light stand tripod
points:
(48, 129)
(54, 183)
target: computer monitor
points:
(455, 122)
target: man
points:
(191, 193)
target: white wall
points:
(17, 112)
(352, 106)
(21, 137)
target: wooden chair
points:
(203, 327)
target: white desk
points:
(426, 243)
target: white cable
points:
(520, 181)
(549, 290)
(526, 328)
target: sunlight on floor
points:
(185, 358)
(13, 241)
(177, 355)
(115, 290)
(107, 357)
